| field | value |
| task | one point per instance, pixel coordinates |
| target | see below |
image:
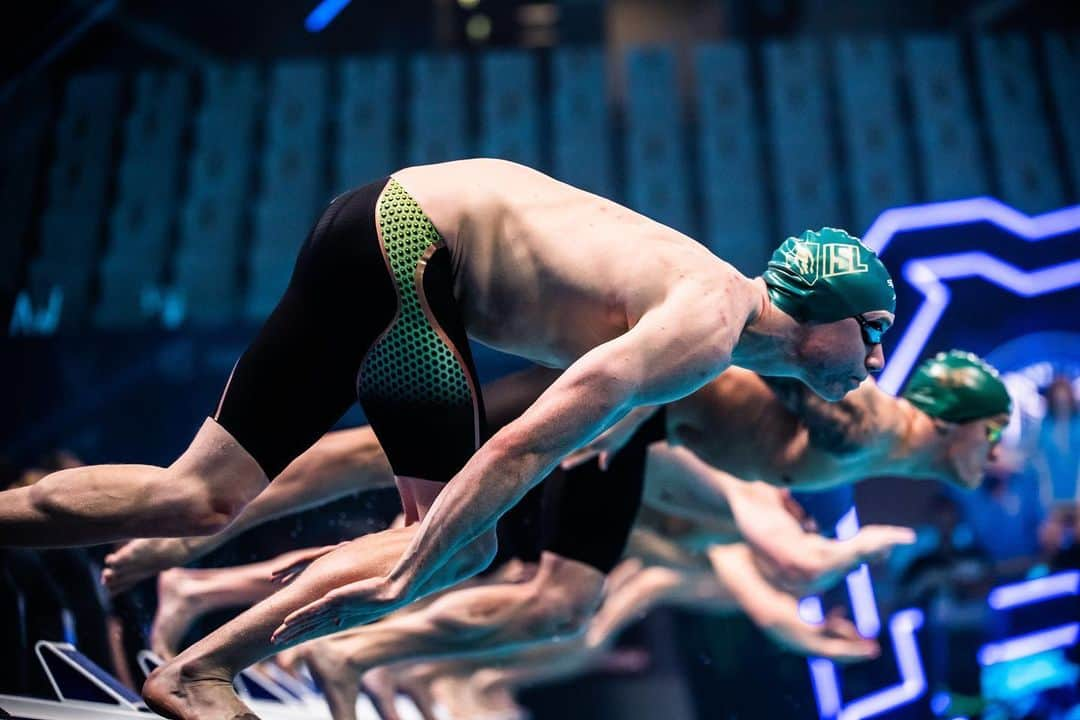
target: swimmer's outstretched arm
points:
(674, 349)
(650, 364)
(735, 584)
(777, 612)
(340, 463)
(680, 483)
(789, 556)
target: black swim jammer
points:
(365, 318)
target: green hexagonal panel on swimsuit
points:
(410, 363)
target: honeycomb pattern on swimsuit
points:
(410, 363)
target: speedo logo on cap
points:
(813, 260)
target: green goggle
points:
(872, 330)
(993, 432)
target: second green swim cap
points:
(826, 276)
(958, 387)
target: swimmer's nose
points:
(875, 361)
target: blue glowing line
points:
(323, 14)
(826, 687)
(927, 278)
(902, 627)
(860, 587)
(1033, 591)
(926, 275)
(1030, 644)
(959, 212)
(810, 610)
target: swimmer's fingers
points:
(843, 650)
(835, 639)
(605, 446)
(837, 625)
(287, 573)
(825, 562)
(579, 457)
(584, 455)
(318, 618)
(874, 542)
(813, 564)
(346, 606)
(798, 512)
(845, 644)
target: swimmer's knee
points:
(45, 494)
(203, 507)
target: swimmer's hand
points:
(814, 563)
(138, 560)
(787, 551)
(605, 446)
(349, 605)
(300, 560)
(836, 638)
(776, 612)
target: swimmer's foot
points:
(338, 679)
(178, 607)
(415, 681)
(185, 693)
(381, 686)
(498, 702)
(453, 694)
(494, 697)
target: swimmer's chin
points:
(834, 391)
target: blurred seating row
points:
(200, 189)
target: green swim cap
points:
(826, 276)
(958, 386)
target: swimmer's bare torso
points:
(737, 424)
(547, 271)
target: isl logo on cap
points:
(812, 260)
(843, 259)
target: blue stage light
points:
(1033, 591)
(1031, 644)
(902, 628)
(323, 14)
(926, 274)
